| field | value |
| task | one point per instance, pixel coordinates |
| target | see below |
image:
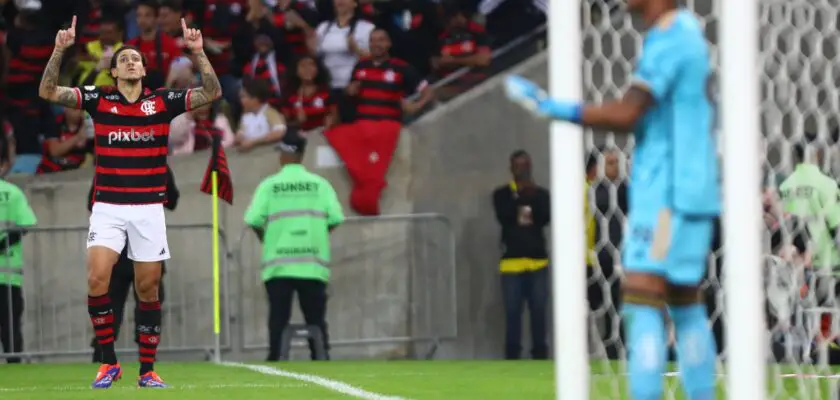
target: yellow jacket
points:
(96, 50)
(589, 218)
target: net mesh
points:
(799, 51)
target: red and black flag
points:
(218, 163)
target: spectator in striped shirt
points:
(90, 16)
(297, 20)
(157, 46)
(462, 44)
(308, 104)
(380, 85)
(30, 47)
(264, 66)
(169, 19)
(68, 144)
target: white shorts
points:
(143, 225)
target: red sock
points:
(102, 316)
(148, 333)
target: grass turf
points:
(416, 380)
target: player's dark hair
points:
(153, 4)
(122, 49)
(256, 88)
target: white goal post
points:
(746, 372)
(571, 352)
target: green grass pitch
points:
(415, 380)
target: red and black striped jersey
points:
(30, 50)
(70, 161)
(316, 107)
(89, 29)
(131, 142)
(464, 42)
(220, 20)
(159, 52)
(383, 86)
(260, 68)
(295, 38)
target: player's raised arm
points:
(658, 68)
(210, 89)
(49, 89)
(619, 115)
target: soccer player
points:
(674, 194)
(131, 126)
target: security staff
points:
(293, 213)
(523, 211)
(15, 215)
(122, 278)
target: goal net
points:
(799, 80)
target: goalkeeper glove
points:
(531, 97)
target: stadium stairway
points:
(448, 162)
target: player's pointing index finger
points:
(73, 24)
(184, 25)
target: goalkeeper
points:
(674, 195)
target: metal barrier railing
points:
(55, 317)
(392, 281)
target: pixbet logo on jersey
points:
(130, 136)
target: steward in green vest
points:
(15, 214)
(293, 213)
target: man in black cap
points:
(303, 210)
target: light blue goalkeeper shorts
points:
(685, 260)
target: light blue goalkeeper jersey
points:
(675, 161)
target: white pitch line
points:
(336, 386)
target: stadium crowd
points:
(283, 64)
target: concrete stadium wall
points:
(56, 282)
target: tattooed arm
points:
(210, 89)
(49, 89)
